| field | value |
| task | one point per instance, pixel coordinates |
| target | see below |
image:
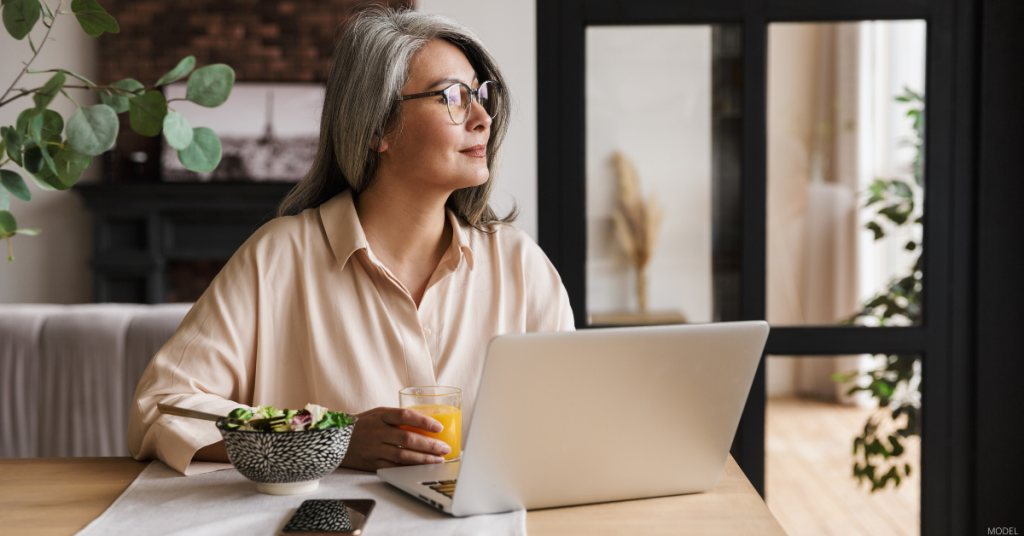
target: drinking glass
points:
(443, 404)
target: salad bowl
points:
(286, 463)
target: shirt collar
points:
(345, 233)
(460, 239)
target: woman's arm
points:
(216, 452)
(207, 365)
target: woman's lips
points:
(478, 151)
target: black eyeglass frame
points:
(474, 95)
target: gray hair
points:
(371, 67)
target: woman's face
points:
(427, 148)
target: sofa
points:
(68, 374)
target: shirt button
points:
(426, 331)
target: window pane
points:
(810, 430)
(845, 172)
(662, 157)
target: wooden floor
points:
(808, 475)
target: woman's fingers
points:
(377, 442)
(413, 441)
(384, 464)
(408, 417)
(407, 456)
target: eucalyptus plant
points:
(54, 153)
(879, 448)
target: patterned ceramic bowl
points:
(286, 463)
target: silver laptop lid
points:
(606, 414)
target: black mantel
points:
(140, 229)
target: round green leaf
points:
(93, 129)
(203, 154)
(24, 118)
(14, 142)
(95, 23)
(147, 113)
(86, 5)
(177, 131)
(48, 158)
(49, 91)
(35, 128)
(184, 67)
(116, 100)
(20, 16)
(52, 124)
(69, 164)
(8, 224)
(210, 86)
(40, 181)
(33, 159)
(15, 184)
(5, 199)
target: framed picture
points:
(268, 132)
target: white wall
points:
(509, 30)
(649, 96)
(52, 267)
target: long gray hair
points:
(371, 66)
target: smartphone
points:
(330, 516)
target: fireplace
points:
(165, 242)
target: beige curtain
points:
(812, 200)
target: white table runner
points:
(163, 502)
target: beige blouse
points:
(305, 312)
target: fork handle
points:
(183, 412)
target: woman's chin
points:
(469, 182)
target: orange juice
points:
(451, 418)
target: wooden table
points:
(59, 496)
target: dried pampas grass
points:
(636, 223)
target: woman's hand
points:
(377, 442)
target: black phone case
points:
(330, 516)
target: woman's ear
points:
(379, 144)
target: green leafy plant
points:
(53, 153)
(878, 449)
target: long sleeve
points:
(547, 301)
(207, 365)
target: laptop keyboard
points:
(444, 487)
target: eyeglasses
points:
(459, 98)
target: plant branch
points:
(20, 95)
(65, 71)
(65, 93)
(136, 92)
(121, 90)
(48, 30)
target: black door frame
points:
(944, 340)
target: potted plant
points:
(896, 384)
(53, 152)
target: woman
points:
(386, 268)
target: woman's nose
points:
(478, 117)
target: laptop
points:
(596, 415)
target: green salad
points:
(313, 417)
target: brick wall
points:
(263, 41)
